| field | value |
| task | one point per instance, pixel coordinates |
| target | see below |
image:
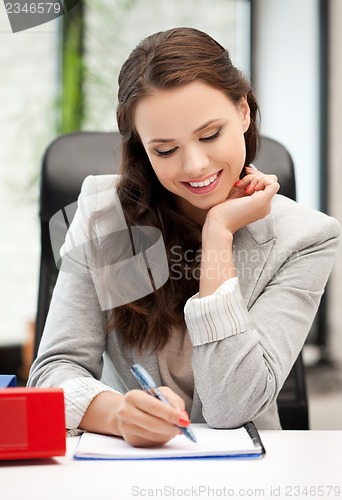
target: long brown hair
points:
(167, 60)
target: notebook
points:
(243, 442)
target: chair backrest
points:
(66, 163)
(273, 158)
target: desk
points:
(309, 459)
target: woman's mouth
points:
(205, 186)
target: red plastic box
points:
(32, 423)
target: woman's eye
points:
(168, 152)
(212, 137)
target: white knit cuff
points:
(217, 316)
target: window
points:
(112, 31)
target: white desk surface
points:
(295, 460)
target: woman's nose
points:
(195, 162)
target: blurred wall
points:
(335, 172)
(286, 79)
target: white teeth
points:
(204, 183)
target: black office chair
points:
(70, 158)
(67, 161)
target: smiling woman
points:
(222, 336)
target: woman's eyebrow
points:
(206, 124)
(201, 127)
(161, 140)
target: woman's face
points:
(193, 136)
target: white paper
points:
(210, 443)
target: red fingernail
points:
(236, 183)
(184, 423)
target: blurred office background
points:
(62, 76)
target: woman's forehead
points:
(192, 105)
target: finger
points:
(152, 427)
(251, 187)
(261, 184)
(251, 168)
(178, 403)
(253, 182)
(173, 398)
(270, 189)
(153, 407)
(274, 187)
(245, 181)
(265, 181)
(136, 422)
(254, 170)
(269, 178)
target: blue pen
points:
(148, 384)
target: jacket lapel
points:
(252, 247)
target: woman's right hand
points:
(143, 420)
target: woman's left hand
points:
(248, 201)
(253, 181)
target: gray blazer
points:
(283, 262)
